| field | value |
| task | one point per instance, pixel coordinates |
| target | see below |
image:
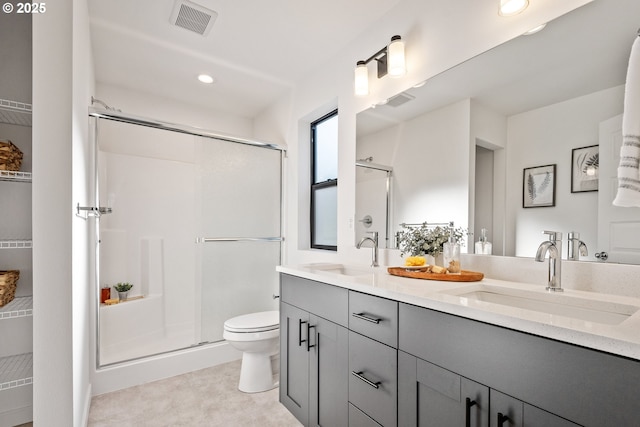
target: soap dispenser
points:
(483, 246)
(451, 254)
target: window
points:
(324, 182)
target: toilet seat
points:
(255, 322)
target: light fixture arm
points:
(390, 60)
(381, 58)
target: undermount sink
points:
(345, 270)
(556, 304)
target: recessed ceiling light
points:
(205, 78)
(512, 7)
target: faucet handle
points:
(553, 235)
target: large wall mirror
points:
(463, 146)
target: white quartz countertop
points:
(620, 337)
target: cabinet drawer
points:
(327, 301)
(357, 418)
(374, 317)
(373, 378)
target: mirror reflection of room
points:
(461, 144)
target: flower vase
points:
(123, 295)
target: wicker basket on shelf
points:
(8, 283)
(10, 156)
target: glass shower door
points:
(240, 245)
(146, 177)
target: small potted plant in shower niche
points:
(123, 290)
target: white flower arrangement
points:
(425, 239)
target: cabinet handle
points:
(300, 340)
(467, 414)
(359, 376)
(309, 327)
(367, 318)
(502, 419)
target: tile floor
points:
(206, 398)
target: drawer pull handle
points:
(359, 376)
(502, 419)
(467, 416)
(367, 318)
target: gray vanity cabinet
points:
(294, 359)
(535, 381)
(373, 381)
(314, 359)
(430, 396)
(373, 360)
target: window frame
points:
(319, 185)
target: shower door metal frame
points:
(389, 171)
(107, 114)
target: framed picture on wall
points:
(539, 186)
(585, 169)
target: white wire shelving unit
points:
(15, 176)
(16, 243)
(15, 113)
(16, 371)
(19, 307)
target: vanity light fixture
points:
(205, 78)
(390, 61)
(512, 7)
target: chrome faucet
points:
(374, 240)
(575, 247)
(554, 247)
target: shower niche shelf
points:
(16, 371)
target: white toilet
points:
(257, 336)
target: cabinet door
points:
(536, 417)
(505, 411)
(294, 361)
(329, 373)
(429, 395)
(373, 378)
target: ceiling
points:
(256, 50)
(582, 52)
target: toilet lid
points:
(254, 322)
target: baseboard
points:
(87, 407)
(16, 416)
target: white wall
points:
(430, 159)
(547, 136)
(168, 110)
(62, 82)
(52, 218)
(82, 274)
(433, 43)
(488, 130)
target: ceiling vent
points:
(193, 17)
(400, 99)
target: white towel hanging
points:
(629, 167)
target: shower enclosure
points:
(193, 221)
(373, 202)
